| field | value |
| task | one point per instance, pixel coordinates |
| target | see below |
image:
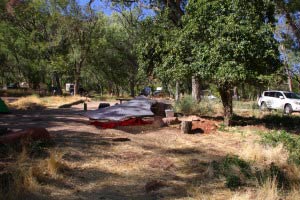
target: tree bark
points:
(186, 127)
(57, 81)
(290, 80)
(196, 89)
(296, 30)
(235, 93)
(177, 92)
(132, 85)
(226, 97)
(76, 83)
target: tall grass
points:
(36, 102)
(22, 177)
(19, 178)
(290, 142)
(29, 102)
(54, 163)
(265, 154)
(267, 191)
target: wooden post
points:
(186, 127)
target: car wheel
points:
(263, 106)
(288, 109)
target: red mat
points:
(128, 122)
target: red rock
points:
(27, 134)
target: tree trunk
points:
(177, 92)
(290, 81)
(290, 20)
(132, 85)
(117, 91)
(186, 127)
(196, 89)
(56, 78)
(235, 93)
(226, 97)
(76, 83)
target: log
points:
(186, 127)
(69, 105)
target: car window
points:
(267, 94)
(278, 94)
(271, 94)
(291, 95)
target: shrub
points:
(233, 181)
(291, 143)
(235, 170)
(186, 105)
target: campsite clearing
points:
(150, 163)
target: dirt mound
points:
(201, 125)
(207, 126)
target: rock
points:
(158, 122)
(170, 120)
(159, 108)
(103, 105)
(26, 135)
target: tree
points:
(232, 43)
(288, 9)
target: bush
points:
(291, 143)
(233, 181)
(235, 171)
(186, 105)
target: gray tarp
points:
(138, 107)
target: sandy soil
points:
(155, 163)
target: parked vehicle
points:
(280, 100)
(13, 86)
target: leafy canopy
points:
(231, 40)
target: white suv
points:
(287, 101)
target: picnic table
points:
(123, 99)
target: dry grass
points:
(268, 191)
(293, 195)
(26, 103)
(264, 155)
(19, 178)
(36, 102)
(54, 163)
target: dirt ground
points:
(154, 163)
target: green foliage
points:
(232, 43)
(233, 182)
(289, 122)
(222, 127)
(235, 170)
(186, 105)
(290, 142)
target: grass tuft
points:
(54, 163)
